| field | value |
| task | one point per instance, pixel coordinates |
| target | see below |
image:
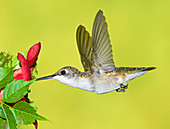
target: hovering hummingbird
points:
(100, 75)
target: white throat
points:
(82, 83)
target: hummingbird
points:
(100, 73)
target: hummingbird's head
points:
(63, 75)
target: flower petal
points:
(33, 54)
(25, 67)
(17, 71)
(18, 77)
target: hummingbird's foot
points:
(125, 86)
(122, 88)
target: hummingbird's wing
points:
(96, 52)
(84, 43)
(101, 46)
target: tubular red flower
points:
(25, 67)
(17, 71)
(18, 74)
(33, 54)
(18, 77)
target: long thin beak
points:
(43, 78)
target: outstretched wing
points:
(95, 52)
(84, 43)
(101, 46)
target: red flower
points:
(33, 54)
(25, 67)
(25, 72)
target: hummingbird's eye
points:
(63, 72)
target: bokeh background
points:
(140, 36)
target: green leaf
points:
(15, 90)
(6, 75)
(25, 114)
(9, 117)
(34, 106)
(3, 124)
(1, 112)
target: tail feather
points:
(133, 72)
(133, 69)
(148, 68)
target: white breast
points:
(106, 83)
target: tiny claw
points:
(120, 90)
(124, 86)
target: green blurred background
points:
(140, 36)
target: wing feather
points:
(101, 46)
(96, 52)
(84, 43)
